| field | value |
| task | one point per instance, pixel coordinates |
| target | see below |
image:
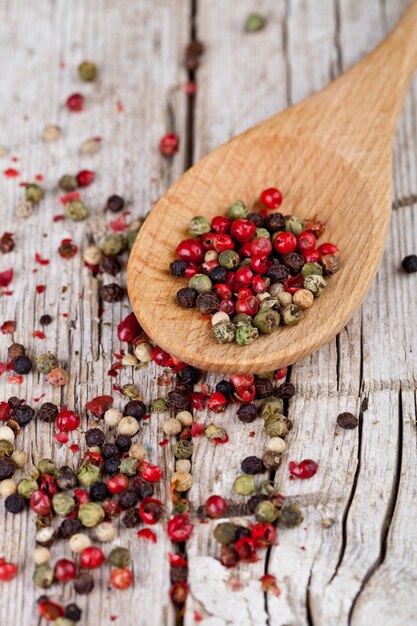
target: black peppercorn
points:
(178, 574)
(186, 297)
(83, 584)
(274, 222)
(65, 478)
(257, 219)
(123, 443)
(109, 450)
(178, 401)
(409, 264)
(285, 391)
(109, 265)
(207, 302)
(228, 556)
(14, 402)
(45, 320)
(242, 531)
(72, 612)
(183, 387)
(131, 518)
(294, 262)
(47, 412)
(177, 268)
(115, 203)
(15, 503)
(277, 273)
(225, 388)
(218, 274)
(94, 437)
(7, 467)
(263, 387)
(111, 466)
(70, 527)
(347, 420)
(189, 375)
(23, 415)
(143, 488)
(136, 409)
(253, 502)
(99, 492)
(252, 465)
(246, 413)
(22, 365)
(193, 52)
(111, 293)
(128, 499)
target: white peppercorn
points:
(185, 417)
(130, 360)
(171, 427)
(24, 209)
(6, 434)
(79, 542)
(276, 444)
(112, 417)
(138, 451)
(41, 555)
(7, 487)
(220, 316)
(19, 458)
(183, 465)
(275, 289)
(182, 481)
(92, 255)
(105, 532)
(128, 426)
(143, 352)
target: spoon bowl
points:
(330, 156)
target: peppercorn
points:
(290, 515)
(257, 219)
(310, 269)
(24, 209)
(113, 244)
(252, 465)
(15, 350)
(88, 73)
(271, 459)
(131, 518)
(225, 388)
(115, 204)
(109, 450)
(47, 412)
(7, 467)
(143, 488)
(83, 584)
(87, 475)
(285, 391)
(183, 449)
(128, 426)
(72, 612)
(244, 485)
(58, 377)
(200, 283)
(68, 182)
(34, 193)
(237, 210)
(277, 273)
(271, 406)
(46, 362)
(22, 364)
(347, 421)
(112, 466)
(294, 225)
(178, 574)
(15, 503)
(225, 533)
(277, 426)
(109, 265)
(128, 499)
(189, 374)
(276, 444)
(172, 427)
(43, 576)
(246, 334)
(303, 298)
(47, 466)
(26, 487)
(94, 437)
(266, 321)
(247, 413)
(409, 264)
(6, 447)
(274, 222)
(291, 314)
(177, 268)
(41, 555)
(266, 512)
(99, 492)
(66, 478)
(182, 481)
(105, 532)
(90, 514)
(198, 225)
(212, 431)
(76, 211)
(23, 415)
(111, 292)
(253, 502)
(315, 284)
(129, 466)
(224, 332)
(69, 527)
(254, 22)
(208, 302)
(8, 487)
(63, 504)
(263, 388)
(45, 536)
(186, 297)
(193, 52)
(119, 557)
(123, 443)
(229, 259)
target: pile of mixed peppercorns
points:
(253, 271)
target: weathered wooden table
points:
(360, 570)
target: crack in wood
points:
(406, 201)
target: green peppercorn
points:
(6, 447)
(34, 193)
(87, 71)
(63, 504)
(68, 183)
(291, 315)
(43, 576)
(244, 485)
(180, 507)
(90, 514)
(199, 225)
(246, 335)
(224, 332)
(183, 449)
(269, 303)
(315, 284)
(159, 405)
(225, 533)
(237, 210)
(294, 225)
(76, 211)
(113, 244)
(311, 268)
(130, 238)
(254, 22)
(277, 426)
(26, 487)
(88, 475)
(46, 362)
(290, 515)
(266, 321)
(212, 431)
(266, 488)
(266, 512)
(270, 407)
(47, 466)
(129, 466)
(200, 283)
(241, 319)
(229, 259)
(119, 557)
(130, 391)
(244, 263)
(263, 233)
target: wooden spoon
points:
(330, 155)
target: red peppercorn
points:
(191, 270)
(231, 280)
(260, 284)
(244, 276)
(85, 178)
(160, 357)
(261, 247)
(5, 411)
(175, 560)
(208, 266)
(50, 611)
(311, 256)
(245, 251)
(223, 291)
(271, 198)
(75, 103)
(67, 420)
(40, 503)
(216, 506)
(118, 483)
(264, 534)
(220, 224)
(243, 394)
(249, 305)
(242, 230)
(284, 242)
(151, 473)
(128, 328)
(91, 557)
(260, 264)
(294, 283)
(328, 248)
(245, 547)
(150, 510)
(305, 469)
(223, 242)
(281, 373)
(179, 528)
(217, 402)
(47, 484)
(207, 241)
(245, 292)
(178, 593)
(198, 400)
(65, 570)
(121, 578)
(169, 144)
(191, 250)
(242, 380)
(82, 496)
(7, 570)
(306, 241)
(227, 306)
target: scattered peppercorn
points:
(111, 293)
(347, 421)
(409, 264)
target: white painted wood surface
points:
(359, 571)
